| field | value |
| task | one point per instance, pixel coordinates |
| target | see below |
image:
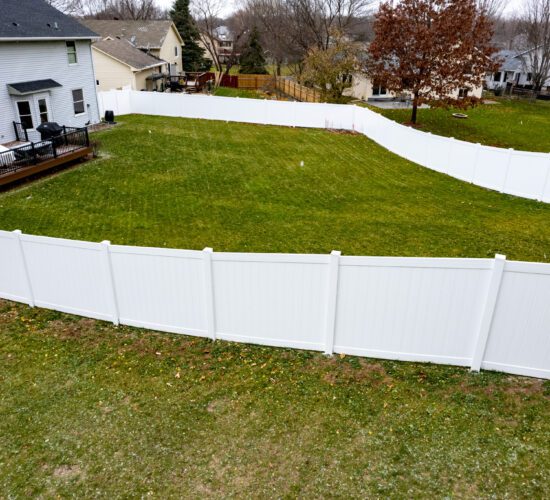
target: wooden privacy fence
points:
(299, 92)
(255, 81)
(479, 313)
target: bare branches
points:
(207, 14)
(535, 40)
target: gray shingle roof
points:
(22, 88)
(143, 34)
(124, 51)
(27, 19)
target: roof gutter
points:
(47, 38)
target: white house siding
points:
(26, 61)
(362, 88)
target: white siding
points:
(26, 61)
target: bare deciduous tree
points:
(110, 9)
(535, 40)
(207, 14)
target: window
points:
(226, 43)
(497, 76)
(43, 110)
(78, 101)
(529, 76)
(71, 52)
(176, 51)
(25, 114)
(378, 89)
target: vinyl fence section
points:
(479, 313)
(519, 173)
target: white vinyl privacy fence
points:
(519, 173)
(480, 313)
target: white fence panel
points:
(281, 113)
(271, 299)
(410, 309)
(160, 289)
(527, 174)
(68, 276)
(438, 151)
(463, 159)
(492, 167)
(519, 341)
(13, 279)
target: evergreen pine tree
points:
(252, 59)
(192, 54)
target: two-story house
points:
(159, 39)
(46, 69)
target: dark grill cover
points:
(49, 129)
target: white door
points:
(42, 108)
(32, 110)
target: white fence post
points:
(209, 292)
(108, 266)
(488, 311)
(28, 282)
(476, 161)
(450, 155)
(508, 164)
(546, 180)
(332, 297)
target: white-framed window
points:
(378, 89)
(71, 51)
(78, 102)
(43, 110)
(25, 114)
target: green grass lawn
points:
(231, 92)
(92, 410)
(240, 187)
(89, 410)
(518, 124)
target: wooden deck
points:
(44, 165)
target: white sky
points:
(513, 5)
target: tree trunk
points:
(278, 68)
(415, 108)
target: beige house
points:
(363, 88)
(156, 38)
(118, 64)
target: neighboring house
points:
(46, 70)
(514, 70)
(222, 44)
(118, 64)
(363, 88)
(159, 39)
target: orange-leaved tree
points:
(430, 49)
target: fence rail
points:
(520, 173)
(479, 313)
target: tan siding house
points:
(159, 39)
(118, 65)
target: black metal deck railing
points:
(34, 153)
